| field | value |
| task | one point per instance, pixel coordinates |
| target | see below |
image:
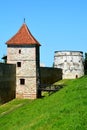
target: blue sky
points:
(56, 24)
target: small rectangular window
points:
(18, 64)
(22, 81)
(19, 51)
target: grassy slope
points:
(64, 110)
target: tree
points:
(85, 63)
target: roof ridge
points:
(30, 33)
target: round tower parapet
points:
(71, 63)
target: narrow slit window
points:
(19, 51)
(18, 64)
(22, 81)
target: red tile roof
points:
(23, 37)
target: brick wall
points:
(7, 82)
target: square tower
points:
(23, 50)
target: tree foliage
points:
(85, 63)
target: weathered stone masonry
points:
(23, 50)
(27, 71)
(23, 53)
(71, 62)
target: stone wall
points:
(7, 82)
(50, 75)
(71, 62)
(28, 56)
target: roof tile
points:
(23, 37)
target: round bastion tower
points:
(71, 63)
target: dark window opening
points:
(76, 76)
(22, 81)
(19, 51)
(18, 64)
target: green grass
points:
(63, 110)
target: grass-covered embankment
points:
(63, 110)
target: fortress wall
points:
(28, 71)
(71, 62)
(50, 75)
(7, 82)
